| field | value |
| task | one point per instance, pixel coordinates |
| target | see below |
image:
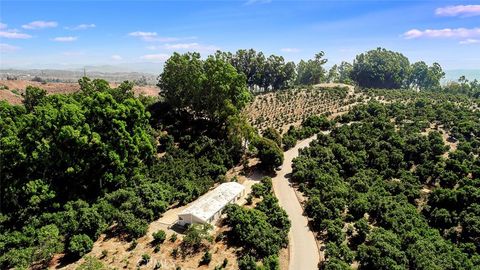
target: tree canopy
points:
(381, 68)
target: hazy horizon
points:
(62, 35)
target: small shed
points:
(208, 208)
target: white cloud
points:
(81, 27)
(194, 46)
(153, 36)
(40, 25)
(443, 33)
(181, 46)
(459, 10)
(116, 57)
(146, 36)
(3, 26)
(156, 57)
(290, 50)
(14, 34)
(65, 39)
(7, 48)
(470, 41)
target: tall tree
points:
(209, 88)
(381, 68)
(312, 71)
(424, 77)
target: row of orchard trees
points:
(273, 73)
(378, 68)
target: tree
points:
(252, 229)
(335, 264)
(247, 262)
(333, 74)
(80, 245)
(159, 237)
(382, 251)
(209, 88)
(381, 68)
(269, 153)
(344, 73)
(196, 234)
(33, 97)
(274, 135)
(312, 71)
(424, 77)
(48, 243)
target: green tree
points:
(381, 68)
(311, 71)
(80, 245)
(424, 77)
(159, 237)
(33, 97)
(211, 88)
(269, 153)
(382, 250)
(274, 135)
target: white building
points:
(208, 208)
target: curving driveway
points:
(304, 252)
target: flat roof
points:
(213, 201)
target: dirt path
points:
(304, 252)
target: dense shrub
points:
(269, 153)
(80, 245)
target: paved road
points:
(304, 253)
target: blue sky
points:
(58, 34)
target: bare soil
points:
(16, 88)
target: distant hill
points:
(141, 67)
(56, 75)
(454, 74)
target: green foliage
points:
(159, 237)
(335, 264)
(173, 237)
(317, 122)
(92, 263)
(247, 262)
(80, 244)
(311, 71)
(272, 134)
(196, 234)
(382, 250)
(376, 164)
(271, 263)
(269, 153)
(267, 73)
(264, 188)
(381, 68)
(463, 87)
(289, 141)
(91, 164)
(424, 77)
(33, 97)
(145, 259)
(262, 231)
(211, 88)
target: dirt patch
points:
(16, 88)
